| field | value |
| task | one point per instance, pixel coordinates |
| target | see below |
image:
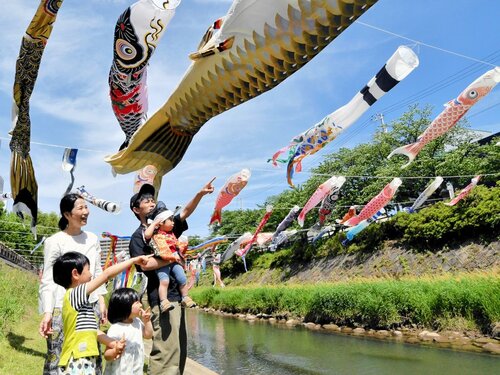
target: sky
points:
(456, 41)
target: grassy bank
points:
(18, 290)
(22, 349)
(471, 301)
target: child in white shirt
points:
(131, 322)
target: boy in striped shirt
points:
(81, 331)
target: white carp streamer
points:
(103, 204)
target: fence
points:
(11, 257)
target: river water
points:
(235, 347)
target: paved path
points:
(192, 367)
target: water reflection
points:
(235, 347)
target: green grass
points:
(471, 300)
(16, 288)
(22, 349)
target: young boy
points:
(165, 244)
(80, 348)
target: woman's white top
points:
(50, 295)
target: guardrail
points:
(11, 257)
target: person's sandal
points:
(166, 306)
(188, 302)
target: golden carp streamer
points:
(22, 175)
(258, 45)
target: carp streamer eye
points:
(125, 50)
(472, 94)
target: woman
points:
(74, 214)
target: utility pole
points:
(380, 117)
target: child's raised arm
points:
(150, 230)
(147, 330)
(114, 270)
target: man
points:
(169, 351)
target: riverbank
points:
(460, 311)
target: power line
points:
(424, 44)
(23, 224)
(485, 109)
(60, 146)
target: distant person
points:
(193, 264)
(169, 351)
(182, 246)
(160, 236)
(74, 216)
(198, 271)
(131, 322)
(216, 268)
(80, 349)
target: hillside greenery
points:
(15, 233)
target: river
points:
(235, 347)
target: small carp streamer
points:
(454, 110)
(235, 245)
(451, 190)
(377, 203)
(22, 175)
(263, 238)
(397, 68)
(322, 232)
(429, 190)
(333, 184)
(69, 165)
(138, 31)
(208, 243)
(326, 207)
(285, 223)
(250, 50)
(248, 246)
(281, 239)
(357, 229)
(465, 192)
(351, 212)
(129, 278)
(103, 204)
(228, 192)
(145, 176)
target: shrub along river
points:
(236, 347)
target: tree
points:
(16, 235)
(368, 170)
